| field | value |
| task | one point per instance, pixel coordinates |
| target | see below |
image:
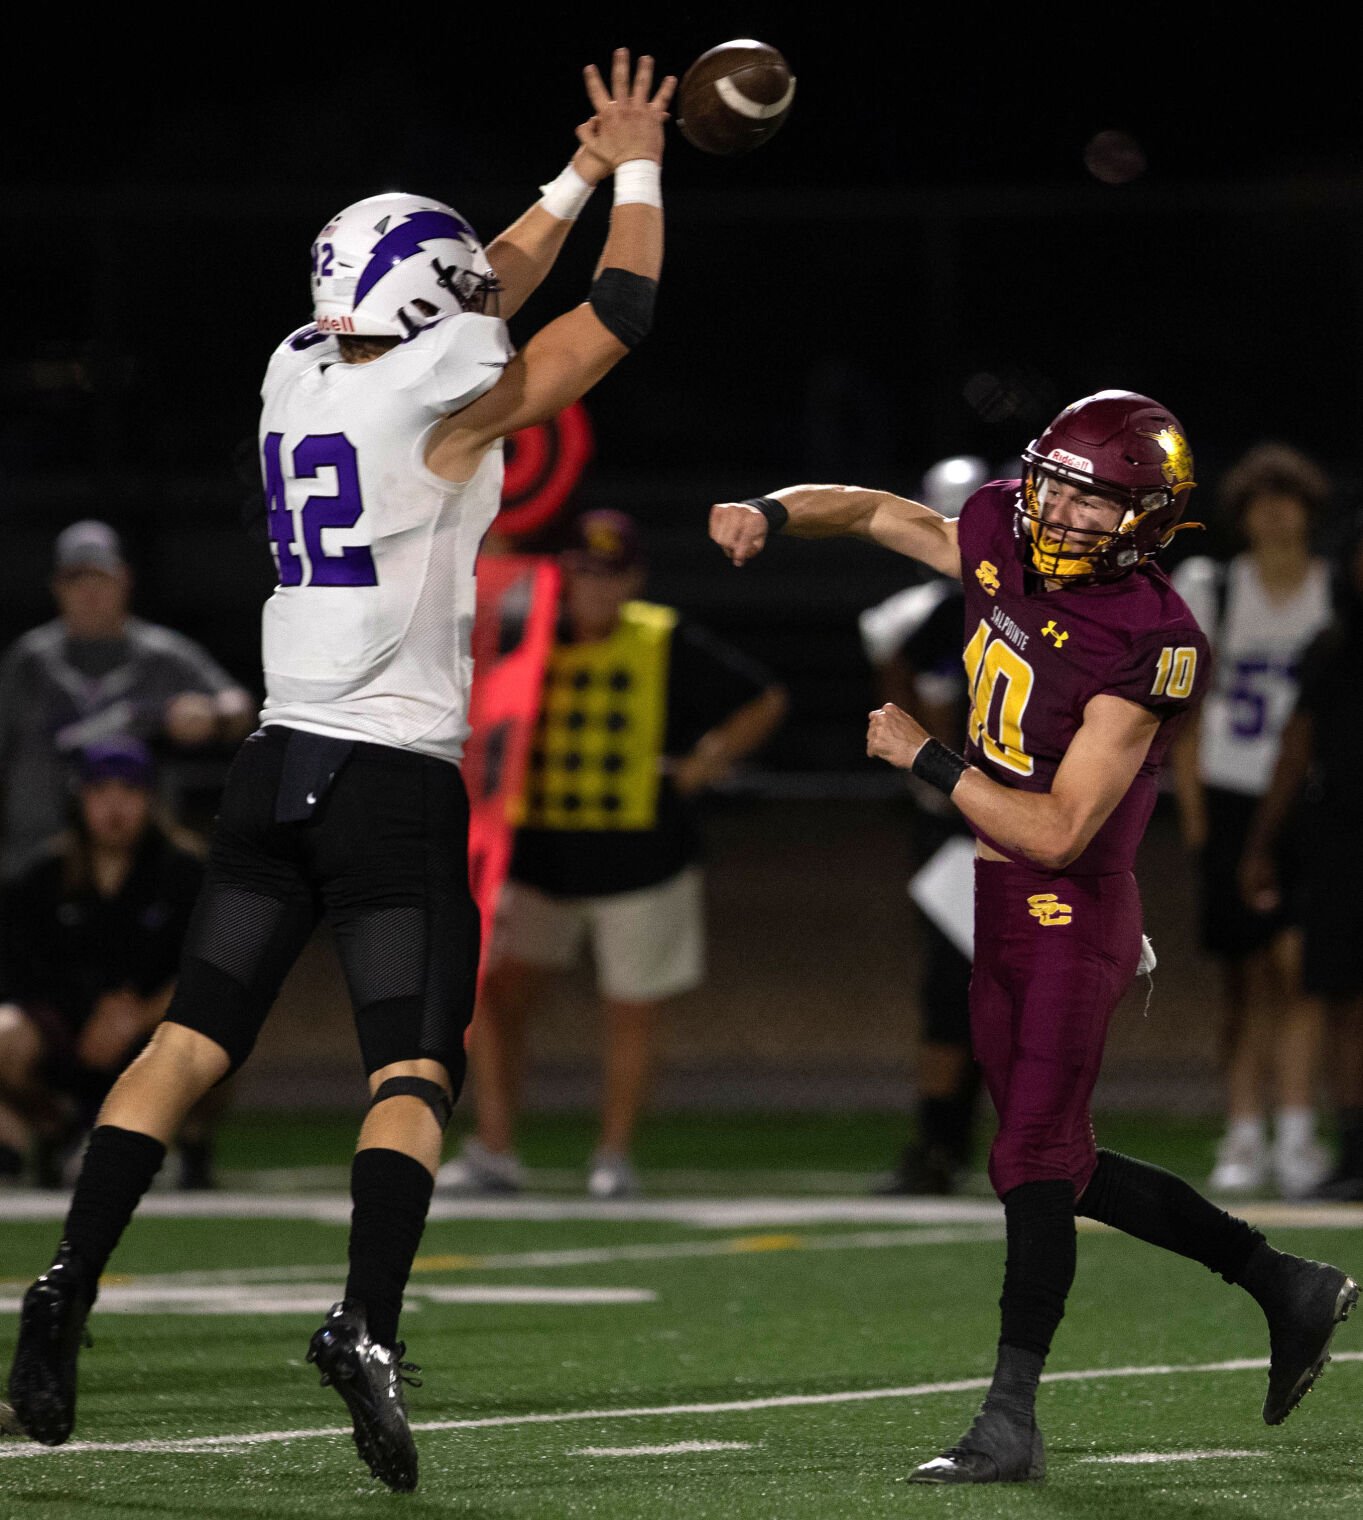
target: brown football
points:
(735, 97)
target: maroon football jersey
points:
(1034, 658)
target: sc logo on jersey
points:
(1048, 910)
(988, 576)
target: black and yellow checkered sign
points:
(597, 755)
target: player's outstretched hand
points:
(894, 736)
(738, 529)
(627, 124)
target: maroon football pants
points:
(1053, 955)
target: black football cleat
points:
(42, 1379)
(998, 1448)
(369, 1378)
(1305, 1304)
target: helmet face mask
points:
(390, 265)
(1115, 449)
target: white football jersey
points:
(368, 633)
(1258, 642)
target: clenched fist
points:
(738, 529)
(895, 736)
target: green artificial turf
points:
(768, 1312)
(737, 1144)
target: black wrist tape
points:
(773, 510)
(623, 303)
(938, 766)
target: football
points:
(735, 97)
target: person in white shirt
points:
(1259, 612)
(380, 443)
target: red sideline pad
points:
(512, 636)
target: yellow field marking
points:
(747, 1243)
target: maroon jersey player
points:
(1082, 662)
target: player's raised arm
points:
(566, 358)
(523, 254)
(741, 528)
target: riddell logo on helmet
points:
(1073, 461)
(336, 324)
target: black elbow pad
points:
(623, 303)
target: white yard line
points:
(317, 1298)
(676, 1448)
(581, 1256)
(661, 1411)
(704, 1213)
(1146, 1458)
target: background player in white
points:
(1259, 613)
(380, 440)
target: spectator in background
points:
(1318, 766)
(92, 673)
(89, 945)
(640, 712)
(1259, 613)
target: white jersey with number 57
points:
(367, 635)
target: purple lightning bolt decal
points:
(406, 239)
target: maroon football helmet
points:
(1115, 444)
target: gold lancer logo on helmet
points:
(1049, 910)
(1177, 468)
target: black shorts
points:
(1230, 929)
(384, 858)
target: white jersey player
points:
(1258, 639)
(381, 456)
(367, 634)
(1259, 613)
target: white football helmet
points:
(387, 266)
(951, 482)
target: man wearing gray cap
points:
(94, 672)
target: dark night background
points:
(920, 263)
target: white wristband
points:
(639, 182)
(565, 196)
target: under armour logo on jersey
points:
(1050, 631)
(988, 576)
(1049, 910)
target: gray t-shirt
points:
(58, 695)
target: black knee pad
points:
(213, 1004)
(412, 972)
(239, 946)
(431, 1094)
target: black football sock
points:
(1017, 1374)
(1155, 1206)
(391, 1193)
(118, 1168)
(1039, 1217)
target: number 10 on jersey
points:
(995, 667)
(343, 508)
